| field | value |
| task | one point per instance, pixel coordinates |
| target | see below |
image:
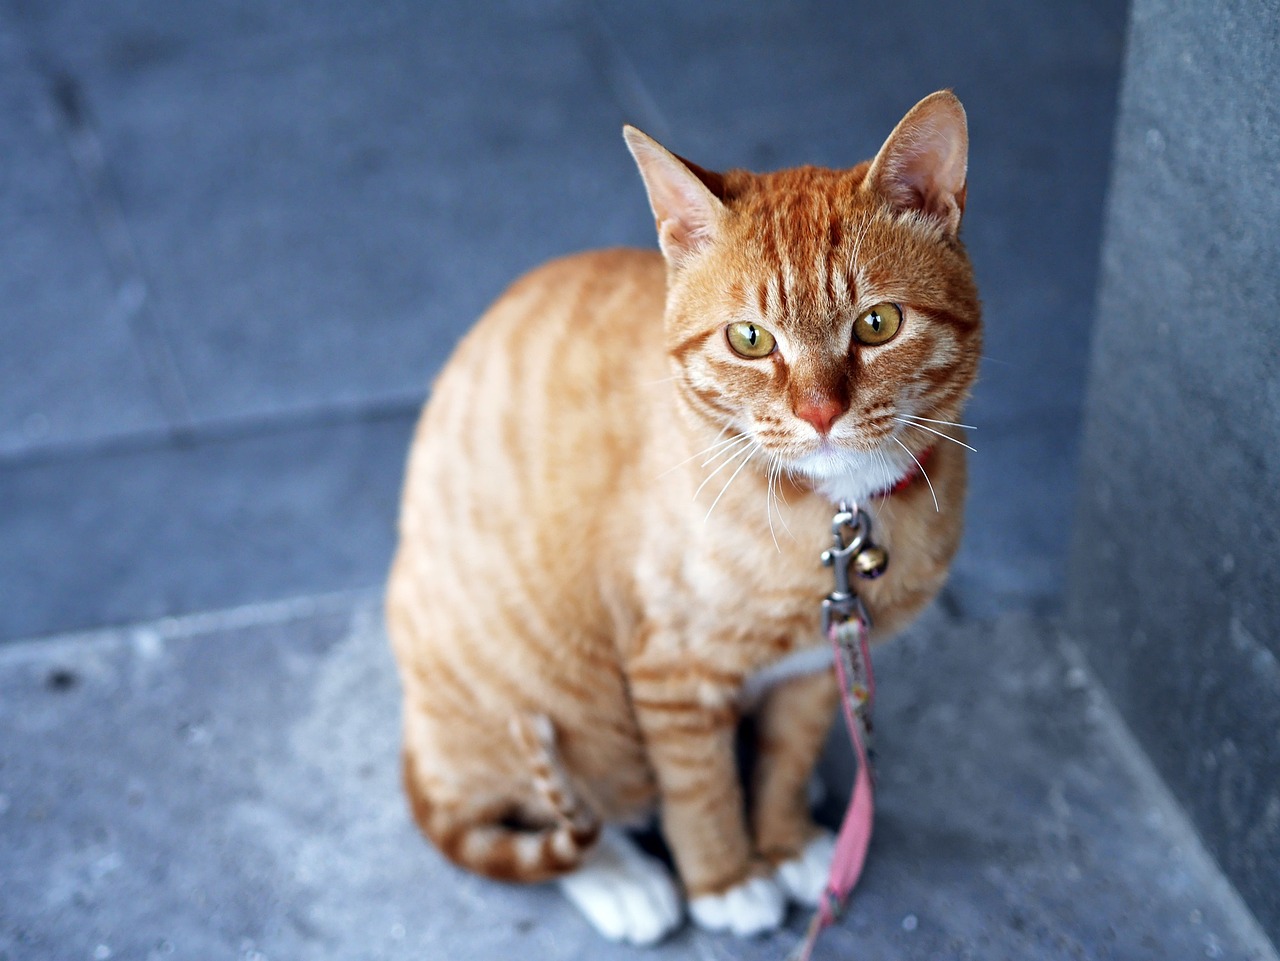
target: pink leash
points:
(847, 626)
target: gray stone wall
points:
(1174, 588)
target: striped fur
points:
(573, 626)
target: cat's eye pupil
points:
(878, 325)
(748, 340)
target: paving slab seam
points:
(221, 429)
(190, 626)
(132, 305)
(1173, 817)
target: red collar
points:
(909, 478)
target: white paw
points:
(623, 892)
(805, 877)
(752, 907)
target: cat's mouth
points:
(840, 448)
(845, 472)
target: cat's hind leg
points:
(625, 894)
(508, 834)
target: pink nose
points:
(820, 412)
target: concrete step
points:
(226, 786)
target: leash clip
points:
(843, 604)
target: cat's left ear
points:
(923, 164)
(680, 193)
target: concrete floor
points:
(238, 240)
(226, 786)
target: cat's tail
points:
(491, 841)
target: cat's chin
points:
(852, 475)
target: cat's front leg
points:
(792, 726)
(689, 727)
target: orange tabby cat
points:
(615, 503)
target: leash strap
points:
(847, 627)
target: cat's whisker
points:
(944, 423)
(771, 497)
(922, 472)
(777, 479)
(883, 461)
(733, 457)
(724, 449)
(751, 452)
(719, 442)
(714, 444)
(857, 243)
(875, 258)
(863, 268)
(768, 502)
(939, 433)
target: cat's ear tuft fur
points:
(681, 194)
(923, 164)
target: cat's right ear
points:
(687, 212)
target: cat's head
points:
(823, 313)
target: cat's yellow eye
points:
(750, 340)
(877, 325)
